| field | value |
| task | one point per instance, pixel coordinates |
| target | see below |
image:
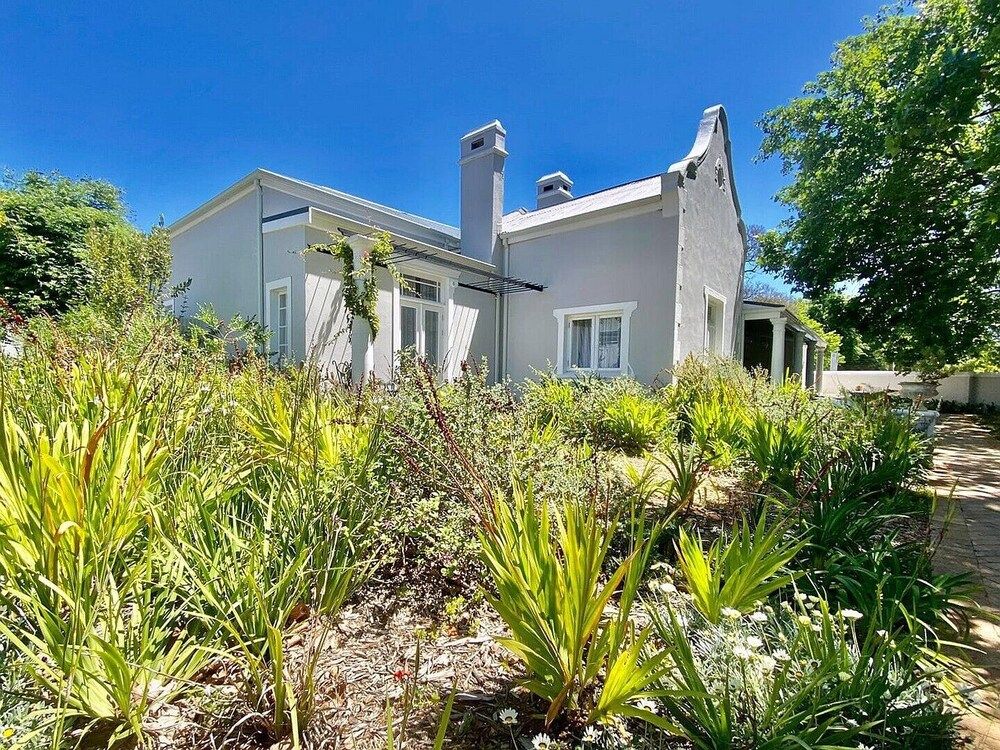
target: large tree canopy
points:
(44, 224)
(895, 206)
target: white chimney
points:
(553, 189)
(482, 160)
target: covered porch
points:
(775, 340)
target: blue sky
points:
(175, 101)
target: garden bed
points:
(198, 552)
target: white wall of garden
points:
(973, 388)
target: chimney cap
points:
(489, 139)
(495, 125)
(553, 189)
(555, 177)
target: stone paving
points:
(967, 468)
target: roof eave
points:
(298, 187)
(566, 222)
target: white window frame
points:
(713, 296)
(271, 289)
(447, 280)
(565, 315)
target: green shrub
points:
(157, 511)
(777, 450)
(794, 676)
(551, 400)
(78, 502)
(632, 424)
(449, 448)
(734, 575)
(551, 596)
(686, 469)
(717, 425)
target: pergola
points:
(775, 339)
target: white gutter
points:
(260, 253)
(505, 314)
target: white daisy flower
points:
(732, 614)
(507, 716)
(646, 704)
(754, 642)
(781, 655)
(851, 614)
(542, 741)
(591, 735)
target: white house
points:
(625, 280)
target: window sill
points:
(574, 372)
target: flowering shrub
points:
(792, 674)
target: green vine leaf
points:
(361, 300)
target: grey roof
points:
(435, 226)
(610, 199)
(631, 192)
(354, 206)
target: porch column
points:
(777, 350)
(809, 376)
(820, 358)
(799, 342)
(362, 351)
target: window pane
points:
(609, 343)
(580, 333)
(418, 288)
(407, 327)
(431, 336)
(713, 326)
(282, 308)
(279, 322)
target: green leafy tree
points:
(858, 352)
(44, 223)
(895, 203)
(128, 268)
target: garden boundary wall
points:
(971, 388)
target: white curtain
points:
(580, 333)
(609, 343)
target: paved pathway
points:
(967, 459)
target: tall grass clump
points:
(163, 514)
(546, 566)
(734, 575)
